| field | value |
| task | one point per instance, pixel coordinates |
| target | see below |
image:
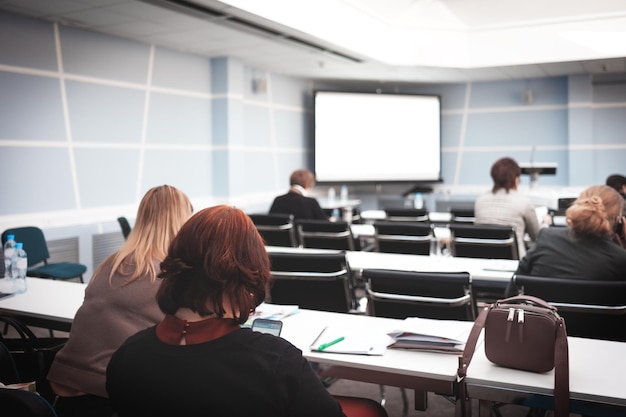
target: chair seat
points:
(60, 270)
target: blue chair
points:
(37, 250)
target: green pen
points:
(329, 344)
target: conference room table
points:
(491, 275)
(596, 366)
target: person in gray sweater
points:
(119, 301)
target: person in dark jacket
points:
(587, 247)
(296, 201)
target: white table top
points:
(596, 366)
(303, 328)
(596, 371)
(46, 299)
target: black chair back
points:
(592, 309)
(406, 215)
(125, 226)
(276, 229)
(462, 215)
(323, 234)
(402, 294)
(483, 241)
(317, 281)
(414, 238)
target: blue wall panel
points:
(527, 128)
(43, 180)
(545, 91)
(257, 129)
(103, 56)
(106, 114)
(177, 70)
(179, 119)
(451, 130)
(188, 170)
(27, 42)
(609, 126)
(290, 127)
(31, 109)
(99, 171)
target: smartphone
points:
(267, 326)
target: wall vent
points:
(64, 250)
(104, 245)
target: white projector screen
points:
(366, 137)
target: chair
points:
(8, 369)
(592, 309)
(414, 238)
(37, 250)
(317, 281)
(406, 215)
(402, 294)
(276, 229)
(125, 226)
(462, 215)
(483, 241)
(323, 234)
(21, 403)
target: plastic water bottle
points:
(19, 267)
(331, 195)
(9, 252)
(418, 202)
(343, 194)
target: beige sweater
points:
(110, 313)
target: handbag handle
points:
(527, 298)
(561, 361)
(25, 333)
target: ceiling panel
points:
(167, 23)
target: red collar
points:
(172, 329)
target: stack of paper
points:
(431, 335)
(272, 312)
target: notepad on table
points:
(431, 335)
(338, 339)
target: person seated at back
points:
(199, 361)
(504, 205)
(587, 247)
(296, 201)
(618, 182)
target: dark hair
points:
(303, 178)
(218, 259)
(504, 172)
(595, 211)
(616, 182)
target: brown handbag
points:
(526, 333)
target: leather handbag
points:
(526, 333)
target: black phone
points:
(267, 326)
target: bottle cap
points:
(10, 237)
(19, 245)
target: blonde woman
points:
(119, 301)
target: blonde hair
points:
(162, 212)
(595, 211)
